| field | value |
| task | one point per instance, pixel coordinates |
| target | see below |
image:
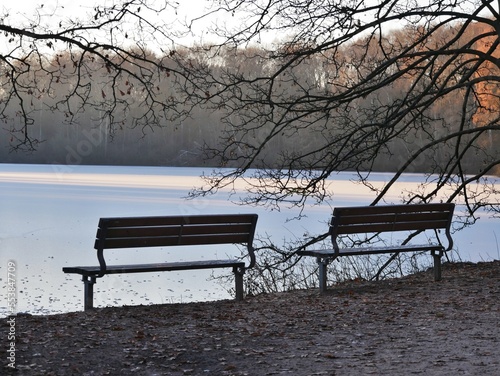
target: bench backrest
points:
(390, 218)
(136, 232)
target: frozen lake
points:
(49, 216)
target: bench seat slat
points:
(387, 227)
(171, 230)
(394, 217)
(156, 267)
(174, 220)
(160, 241)
(413, 208)
(370, 250)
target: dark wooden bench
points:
(140, 232)
(373, 220)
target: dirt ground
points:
(406, 326)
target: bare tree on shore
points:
(113, 59)
(352, 84)
(331, 85)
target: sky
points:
(29, 7)
(24, 11)
(52, 10)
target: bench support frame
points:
(324, 262)
(437, 264)
(322, 269)
(88, 291)
(238, 283)
(90, 281)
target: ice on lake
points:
(49, 215)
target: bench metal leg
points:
(238, 282)
(437, 265)
(322, 268)
(88, 293)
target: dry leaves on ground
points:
(411, 325)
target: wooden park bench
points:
(373, 220)
(196, 230)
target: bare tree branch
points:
(358, 85)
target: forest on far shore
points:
(87, 138)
